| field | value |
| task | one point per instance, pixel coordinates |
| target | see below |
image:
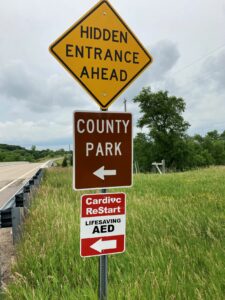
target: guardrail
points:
(14, 211)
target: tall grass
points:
(175, 242)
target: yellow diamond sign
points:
(102, 53)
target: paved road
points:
(13, 176)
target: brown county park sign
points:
(102, 53)
(102, 150)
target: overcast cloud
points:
(37, 96)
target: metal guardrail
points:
(14, 211)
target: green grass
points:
(175, 247)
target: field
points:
(175, 241)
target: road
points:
(13, 176)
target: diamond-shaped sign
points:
(102, 53)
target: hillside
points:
(174, 248)
(17, 153)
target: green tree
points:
(213, 135)
(2, 156)
(222, 136)
(64, 162)
(143, 152)
(71, 159)
(198, 156)
(214, 143)
(162, 115)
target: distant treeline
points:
(167, 138)
(17, 153)
(188, 153)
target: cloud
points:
(36, 106)
(15, 80)
(201, 86)
(165, 56)
(204, 93)
(21, 84)
(20, 132)
(205, 116)
(213, 73)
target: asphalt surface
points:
(13, 176)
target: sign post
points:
(103, 272)
(103, 280)
(102, 53)
(103, 266)
(102, 232)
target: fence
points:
(162, 164)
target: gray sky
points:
(37, 96)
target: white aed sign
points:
(102, 228)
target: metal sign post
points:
(103, 265)
(102, 53)
(103, 271)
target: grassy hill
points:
(17, 153)
(175, 241)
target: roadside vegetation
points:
(166, 136)
(18, 153)
(174, 246)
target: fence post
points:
(16, 222)
(163, 166)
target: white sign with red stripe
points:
(103, 219)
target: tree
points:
(2, 156)
(71, 159)
(162, 115)
(222, 136)
(213, 135)
(215, 145)
(143, 152)
(64, 162)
